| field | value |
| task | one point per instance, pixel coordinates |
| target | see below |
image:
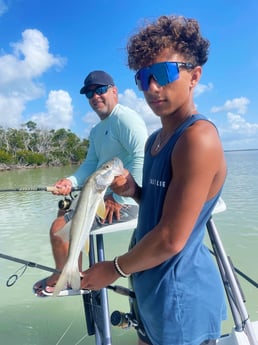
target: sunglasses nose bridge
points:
(90, 94)
(153, 82)
(95, 94)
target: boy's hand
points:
(124, 185)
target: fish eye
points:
(107, 166)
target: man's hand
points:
(62, 187)
(112, 209)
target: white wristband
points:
(119, 270)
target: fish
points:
(90, 203)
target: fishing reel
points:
(120, 319)
(65, 203)
(123, 320)
(126, 320)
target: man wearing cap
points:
(121, 133)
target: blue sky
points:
(47, 47)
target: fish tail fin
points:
(70, 276)
(62, 282)
(75, 279)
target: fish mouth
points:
(114, 168)
(118, 166)
(103, 181)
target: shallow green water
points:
(25, 221)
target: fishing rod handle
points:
(36, 189)
(53, 189)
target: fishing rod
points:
(36, 189)
(53, 270)
(242, 274)
(14, 277)
(28, 263)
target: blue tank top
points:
(181, 301)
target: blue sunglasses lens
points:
(99, 91)
(163, 72)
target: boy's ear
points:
(196, 75)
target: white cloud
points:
(238, 104)
(238, 133)
(59, 112)
(20, 71)
(34, 55)
(240, 125)
(90, 119)
(11, 109)
(3, 7)
(202, 88)
(130, 99)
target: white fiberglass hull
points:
(239, 338)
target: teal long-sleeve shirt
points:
(122, 134)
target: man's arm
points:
(88, 166)
(132, 134)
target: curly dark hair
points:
(180, 34)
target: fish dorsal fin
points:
(101, 210)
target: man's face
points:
(103, 99)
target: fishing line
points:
(82, 338)
(65, 332)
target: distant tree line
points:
(31, 146)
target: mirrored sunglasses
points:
(163, 72)
(100, 90)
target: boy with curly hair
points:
(178, 288)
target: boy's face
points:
(168, 99)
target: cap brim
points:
(83, 90)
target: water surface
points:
(25, 221)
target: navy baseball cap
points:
(96, 78)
